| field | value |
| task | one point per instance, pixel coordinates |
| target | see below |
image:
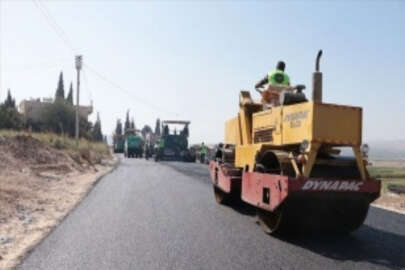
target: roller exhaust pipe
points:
(317, 80)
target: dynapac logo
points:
(333, 185)
(295, 118)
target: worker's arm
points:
(287, 79)
(262, 82)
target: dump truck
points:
(282, 156)
(133, 146)
(173, 143)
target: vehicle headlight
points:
(304, 146)
(364, 150)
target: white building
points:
(32, 108)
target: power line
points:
(129, 93)
(64, 37)
(57, 27)
(54, 25)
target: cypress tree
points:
(70, 94)
(157, 127)
(97, 133)
(118, 127)
(9, 102)
(132, 125)
(60, 90)
(127, 124)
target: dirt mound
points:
(40, 181)
(26, 154)
(31, 151)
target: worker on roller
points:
(218, 153)
(276, 77)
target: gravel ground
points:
(148, 215)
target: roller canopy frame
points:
(179, 122)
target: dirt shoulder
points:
(391, 173)
(391, 201)
(39, 185)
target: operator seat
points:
(276, 95)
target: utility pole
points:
(78, 59)
(1, 58)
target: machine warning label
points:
(333, 185)
(295, 118)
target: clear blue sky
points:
(191, 58)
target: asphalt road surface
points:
(148, 215)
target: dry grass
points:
(61, 142)
(390, 173)
(388, 176)
(387, 172)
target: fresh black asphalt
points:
(148, 215)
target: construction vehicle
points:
(133, 146)
(282, 156)
(173, 144)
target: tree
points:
(60, 90)
(185, 132)
(118, 127)
(10, 118)
(85, 128)
(59, 117)
(97, 134)
(145, 130)
(157, 127)
(127, 124)
(70, 94)
(165, 130)
(9, 102)
(132, 124)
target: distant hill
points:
(383, 150)
(390, 150)
(387, 150)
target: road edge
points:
(28, 250)
(388, 208)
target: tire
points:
(223, 198)
(219, 195)
(269, 221)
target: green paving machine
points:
(173, 143)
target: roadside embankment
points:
(42, 178)
(392, 175)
